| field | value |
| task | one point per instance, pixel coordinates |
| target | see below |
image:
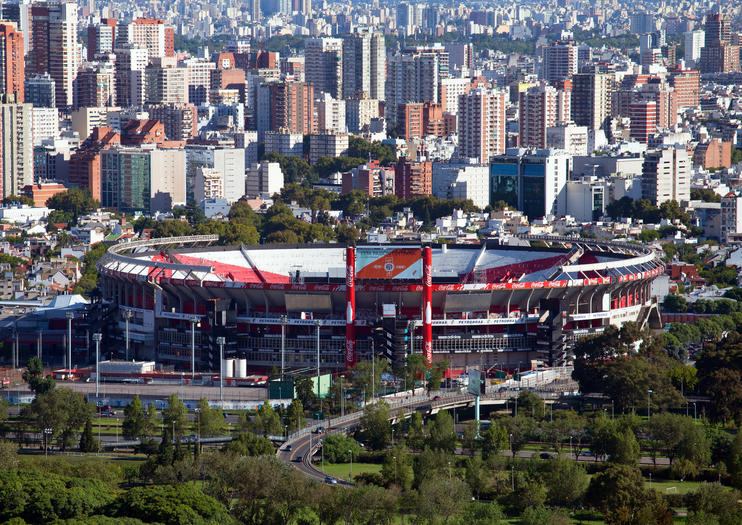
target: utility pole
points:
(373, 372)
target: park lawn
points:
(341, 470)
(674, 486)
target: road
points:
(158, 391)
(298, 444)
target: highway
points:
(299, 442)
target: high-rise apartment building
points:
(150, 33)
(39, 91)
(101, 38)
(265, 178)
(330, 114)
(199, 80)
(327, 144)
(180, 119)
(230, 162)
(559, 61)
(415, 76)
(131, 62)
(12, 61)
(482, 124)
(731, 216)
(541, 107)
(96, 85)
(694, 42)
(364, 65)
(591, 100)
(718, 55)
(643, 115)
(323, 62)
(292, 107)
(55, 47)
(16, 141)
(413, 178)
(166, 85)
(666, 175)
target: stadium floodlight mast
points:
(284, 320)
(97, 338)
(127, 318)
(220, 341)
(70, 316)
(194, 323)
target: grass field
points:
(673, 486)
(341, 470)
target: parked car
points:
(298, 459)
(288, 448)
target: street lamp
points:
(70, 316)
(395, 469)
(220, 341)
(47, 433)
(127, 317)
(649, 397)
(97, 337)
(350, 476)
(194, 323)
(694, 411)
(284, 319)
(198, 431)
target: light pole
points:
(395, 469)
(220, 341)
(194, 323)
(342, 398)
(47, 433)
(317, 324)
(127, 318)
(512, 459)
(198, 428)
(649, 397)
(350, 476)
(70, 316)
(284, 319)
(694, 411)
(97, 338)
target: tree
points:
(376, 430)
(87, 442)
(619, 493)
(61, 410)
(135, 422)
(75, 201)
(565, 480)
(476, 475)
(34, 376)
(305, 390)
(494, 440)
(22, 199)
(442, 435)
(347, 234)
(339, 448)
(470, 437)
(248, 444)
(210, 420)
(295, 416)
(675, 303)
(714, 500)
(367, 376)
(519, 430)
(397, 468)
(416, 433)
(267, 422)
(530, 403)
(175, 417)
(442, 498)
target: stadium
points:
(510, 305)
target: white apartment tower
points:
(666, 175)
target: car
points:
(545, 455)
(107, 412)
(319, 430)
(437, 398)
(586, 453)
(288, 448)
(298, 459)
(330, 480)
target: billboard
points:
(477, 382)
(388, 263)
